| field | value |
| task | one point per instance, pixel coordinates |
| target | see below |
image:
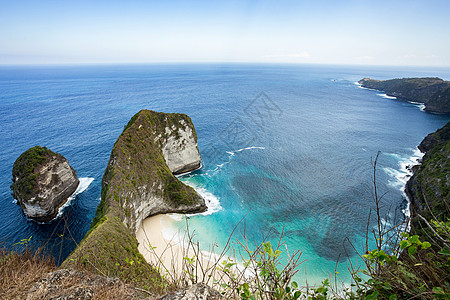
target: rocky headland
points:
(429, 187)
(431, 91)
(42, 182)
(139, 182)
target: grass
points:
(20, 270)
(111, 250)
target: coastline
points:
(169, 251)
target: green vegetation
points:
(111, 250)
(429, 187)
(136, 172)
(433, 92)
(24, 169)
(416, 267)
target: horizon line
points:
(37, 64)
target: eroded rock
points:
(42, 182)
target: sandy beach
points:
(168, 255)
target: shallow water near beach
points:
(287, 147)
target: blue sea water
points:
(287, 146)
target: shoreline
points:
(174, 256)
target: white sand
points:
(168, 255)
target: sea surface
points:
(285, 148)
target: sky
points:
(363, 32)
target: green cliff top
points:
(432, 91)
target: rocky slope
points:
(139, 182)
(433, 92)
(42, 182)
(429, 187)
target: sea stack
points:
(42, 182)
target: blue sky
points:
(329, 32)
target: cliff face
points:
(139, 182)
(429, 187)
(433, 92)
(42, 182)
(179, 148)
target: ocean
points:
(286, 148)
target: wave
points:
(212, 202)
(84, 184)
(246, 148)
(176, 235)
(387, 96)
(364, 88)
(400, 176)
(233, 153)
(421, 106)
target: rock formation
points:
(67, 284)
(139, 182)
(433, 92)
(429, 187)
(42, 182)
(197, 291)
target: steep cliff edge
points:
(429, 187)
(433, 92)
(139, 182)
(42, 182)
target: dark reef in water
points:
(433, 92)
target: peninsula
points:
(139, 182)
(431, 91)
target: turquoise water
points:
(285, 146)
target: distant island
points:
(431, 91)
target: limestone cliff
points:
(139, 182)
(433, 92)
(42, 182)
(429, 187)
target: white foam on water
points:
(421, 106)
(361, 87)
(211, 201)
(233, 153)
(387, 96)
(84, 184)
(246, 148)
(400, 176)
